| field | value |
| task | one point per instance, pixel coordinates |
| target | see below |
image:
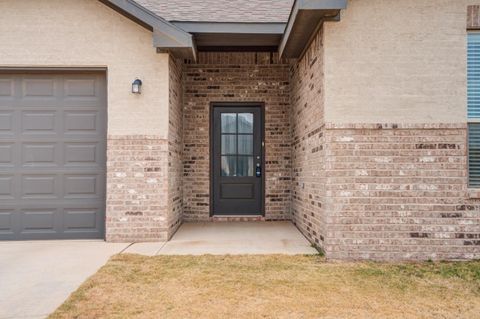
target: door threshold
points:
(237, 218)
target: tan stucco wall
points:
(77, 33)
(397, 61)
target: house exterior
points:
(347, 117)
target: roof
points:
(253, 11)
(232, 25)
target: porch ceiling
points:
(213, 36)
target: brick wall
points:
(399, 192)
(473, 17)
(137, 188)
(308, 154)
(175, 146)
(378, 191)
(236, 77)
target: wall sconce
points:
(137, 86)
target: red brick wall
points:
(137, 188)
(236, 77)
(308, 154)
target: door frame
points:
(261, 106)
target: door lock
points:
(258, 170)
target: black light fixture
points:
(137, 86)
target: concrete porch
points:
(232, 238)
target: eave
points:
(166, 36)
(305, 18)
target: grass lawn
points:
(132, 286)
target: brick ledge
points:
(246, 218)
(393, 126)
(473, 193)
(136, 137)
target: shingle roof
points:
(220, 10)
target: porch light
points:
(137, 86)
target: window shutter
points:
(473, 76)
(474, 155)
(473, 98)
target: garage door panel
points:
(52, 155)
(36, 86)
(39, 122)
(6, 221)
(84, 92)
(79, 123)
(52, 223)
(81, 87)
(39, 154)
(7, 154)
(82, 186)
(6, 87)
(36, 91)
(39, 186)
(82, 219)
(6, 123)
(39, 220)
(83, 154)
(7, 187)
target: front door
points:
(237, 160)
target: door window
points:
(237, 144)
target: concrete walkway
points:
(37, 276)
(230, 238)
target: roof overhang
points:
(166, 36)
(181, 38)
(305, 18)
(242, 36)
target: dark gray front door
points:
(237, 161)
(52, 155)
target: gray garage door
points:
(52, 155)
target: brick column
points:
(137, 188)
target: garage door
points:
(52, 155)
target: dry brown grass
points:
(132, 286)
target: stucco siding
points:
(86, 33)
(397, 61)
(78, 33)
